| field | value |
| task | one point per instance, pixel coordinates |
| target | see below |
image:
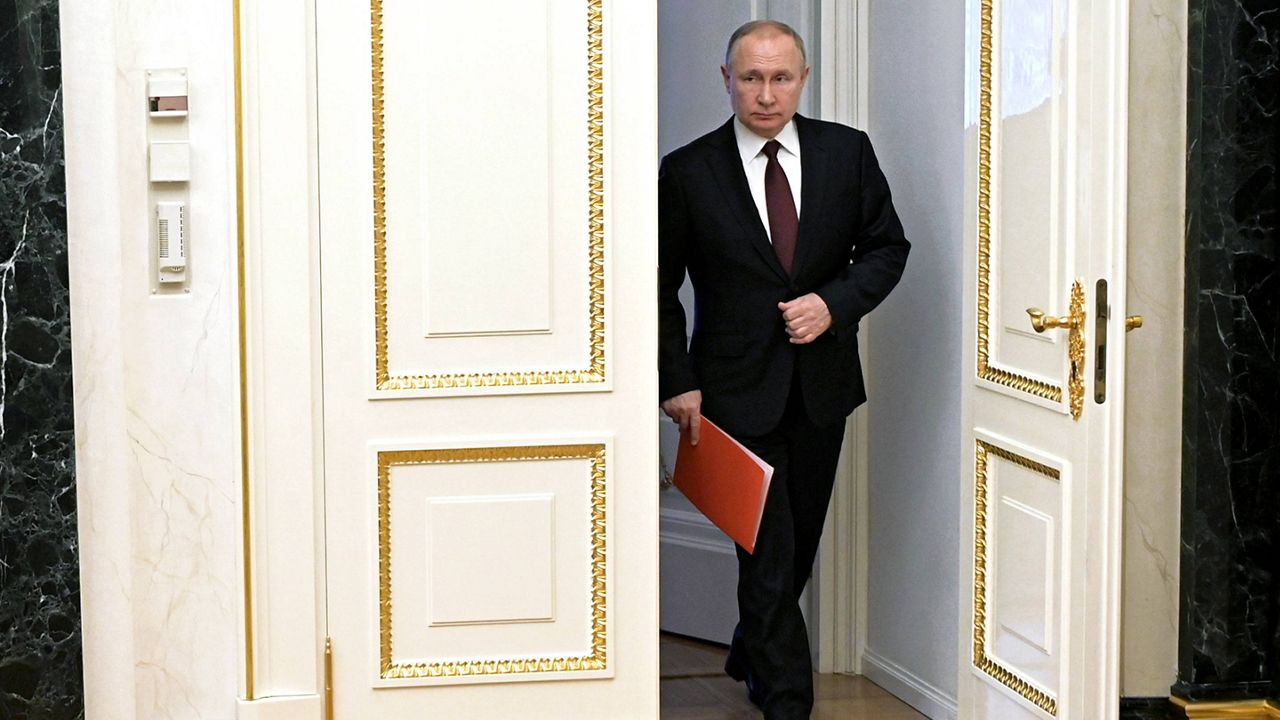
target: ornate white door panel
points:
(488, 252)
(1044, 314)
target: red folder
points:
(724, 480)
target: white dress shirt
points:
(754, 161)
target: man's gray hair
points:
(756, 26)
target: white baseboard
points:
(694, 531)
(908, 687)
(699, 577)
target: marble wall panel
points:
(40, 647)
(1229, 644)
(1153, 372)
(156, 374)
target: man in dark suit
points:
(787, 231)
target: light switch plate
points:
(170, 162)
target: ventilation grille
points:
(164, 239)
(171, 241)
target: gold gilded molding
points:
(596, 659)
(1229, 710)
(246, 529)
(594, 372)
(981, 660)
(988, 370)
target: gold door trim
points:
(981, 660)
(594, 372)
(246, 516)
(988, 370)
(596, 659)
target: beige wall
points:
(1157, 174)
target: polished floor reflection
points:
(694, 687)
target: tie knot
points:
(771, 149)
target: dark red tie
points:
(783, 222)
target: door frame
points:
(282, 546)
(838, 594)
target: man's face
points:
(765, 78)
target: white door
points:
(1042, 479)
(488, 251)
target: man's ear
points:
(724, 73)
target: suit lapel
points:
(726, 167)
(813, 185)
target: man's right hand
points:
(686, 409)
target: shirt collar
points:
(750, 144)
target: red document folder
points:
(724, 480)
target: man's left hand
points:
(807, 317)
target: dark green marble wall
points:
(1229, 639)
(40, 658)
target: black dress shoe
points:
(735, 669)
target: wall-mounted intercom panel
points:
(169, 179)
(171, 241)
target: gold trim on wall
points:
(596, 659)
(981, 660)
(246, 516)
(594, 372)
(988, 370)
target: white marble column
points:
(155, 374)
(1153, 375)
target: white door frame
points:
(283, 561)
(838, 595)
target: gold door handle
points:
(1074, 324)
(1041, 322)
(1133, 322)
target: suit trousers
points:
(770, 644)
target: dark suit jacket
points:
(850, 251)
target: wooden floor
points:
(694, 687)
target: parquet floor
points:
(694, 687)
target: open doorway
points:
(699, 567)
(698, 563)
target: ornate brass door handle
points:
(1074, 323)
(1041, 322)
(1133, 322)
